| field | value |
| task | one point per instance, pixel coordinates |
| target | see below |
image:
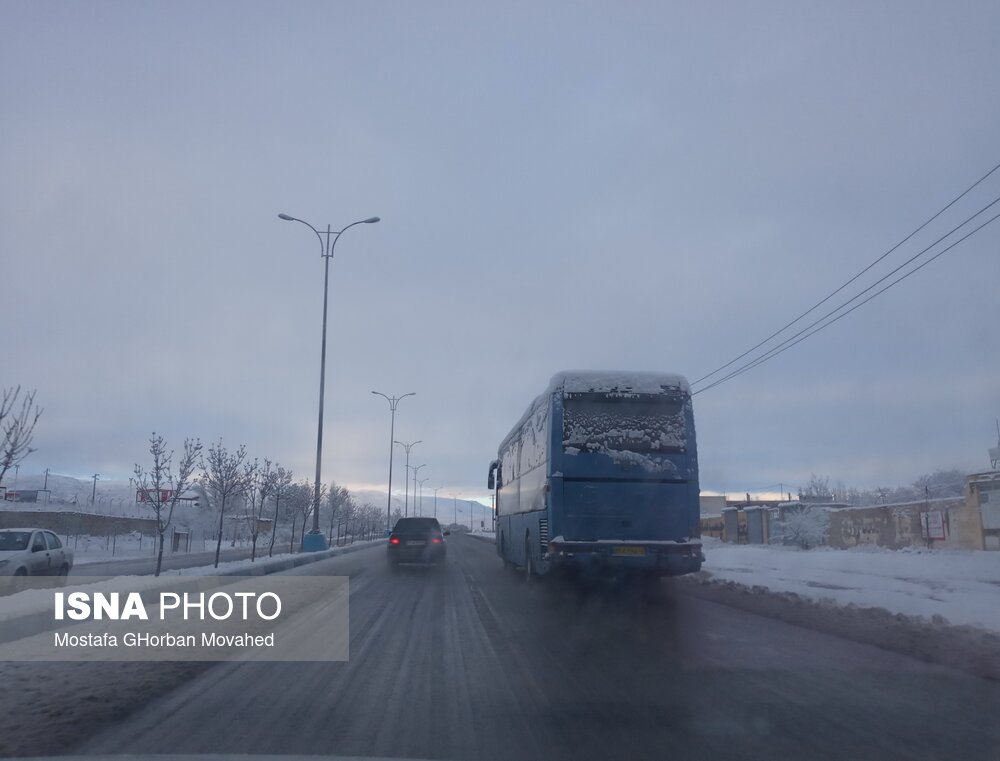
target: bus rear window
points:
(624, 423)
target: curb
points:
(298, 559)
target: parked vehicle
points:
(33, 552)
(601, 475)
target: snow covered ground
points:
(960, 586)
(97, 549)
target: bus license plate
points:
(626, 550)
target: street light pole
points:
(406, 480)
(314, 540)
(436, 490)
(421, 493)
(416, 469)
(393, 401)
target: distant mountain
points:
(70, 490)
(446, 506)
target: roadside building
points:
(982, 498)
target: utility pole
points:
(455, 499)
(93, 493)
(436, 489)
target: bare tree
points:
(161, 487)
(339, 501)
(806, 526)
(371, 516)
(817, 490)
(940, 483)
(262, 485)
(299, 502)
(18, 426)
(227, 475)
(282, 480)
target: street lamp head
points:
(372, 220)
(286, 217)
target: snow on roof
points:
(582, 381)
(992, 475)
(601, 381)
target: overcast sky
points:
(648, 186)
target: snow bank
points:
(960, 587)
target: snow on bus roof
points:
(601, 381)
(582, 381)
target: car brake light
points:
(394, 540)
(436, 540)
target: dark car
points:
(417, 540)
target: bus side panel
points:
(516, 531)
(524, 531)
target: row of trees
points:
(941, 483)
(252, 490)
(807, 526)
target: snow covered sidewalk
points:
(959, 586)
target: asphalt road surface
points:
(472, 663)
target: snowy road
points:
(471, 664)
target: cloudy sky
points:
(649, 186)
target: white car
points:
(33, 552)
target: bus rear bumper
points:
(646, 558)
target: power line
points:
(851, 280)
(785, 345)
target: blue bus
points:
(600, 475)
